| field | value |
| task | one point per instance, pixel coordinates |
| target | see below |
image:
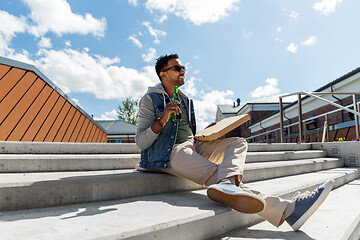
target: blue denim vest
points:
(157, 156)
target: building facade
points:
(32, 108)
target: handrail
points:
(300, 121)
(295, 123)
(314, 94)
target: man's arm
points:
(145, 136)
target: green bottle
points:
(176, 118)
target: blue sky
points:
(100, 52)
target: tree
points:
(128, 111)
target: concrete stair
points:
(91, 191)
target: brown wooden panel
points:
(87, 132)
(45, 128)
(15, 94)
(74, 120)
(57, 122)
(83, 130)
(30, 115)
(101, 137)
(96, 134)
(98, 137)
(79, 124)
(65, 124)
(104, 138)
(3, 70)
(341, 133)
(40, 117)
(9, 81)
(92, 133)
(19, 110)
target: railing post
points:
(356, 117)
(300, 118)
(281, 120)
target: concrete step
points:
(337, 218)
(66, 148)
(181, 215)
(66, 162)
(266, 147)
(118, 148)
(32, 190)
(267, 170)
(283, 155)
(92, 162)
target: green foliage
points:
(128, 111)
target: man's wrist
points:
(160, 123)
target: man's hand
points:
(171, 107)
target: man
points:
(170, 147)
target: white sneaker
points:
(236, 198)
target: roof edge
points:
(29, 67)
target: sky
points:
(101, 52)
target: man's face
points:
(174, 77)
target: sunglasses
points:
(176, 67)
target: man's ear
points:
(162, 74)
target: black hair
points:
(162, 61)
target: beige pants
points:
(206, 163)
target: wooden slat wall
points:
(31, 110)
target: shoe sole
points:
(298, 224)
(241, 203)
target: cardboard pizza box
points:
(221, 128)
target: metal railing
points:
(300, 114)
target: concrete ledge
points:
(349, 151)
(164, 216)
(93, 162)
(33, 190)
(265, 147)
(262, 171)
(283, 156)
(66, 162)
(66, 148)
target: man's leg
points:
(296, 211)
(187, 163)
(229, 154)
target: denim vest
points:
(157, 156)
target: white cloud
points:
(112, 115)
(154, 32)
(56, 16)
(189, 87)
(162, 19)
(68, 43)
(279, 40)
(247, 35)
(279, 29)
(326, 6)
(292, 48)
(310, 41)
(74, 71)
(149, 55)
(267, 90)
(45, 42)
(198, 12)
(205, 108)
(293, 15)
(133, 2)
(135, 41)
(76, 101)
(10, 25)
